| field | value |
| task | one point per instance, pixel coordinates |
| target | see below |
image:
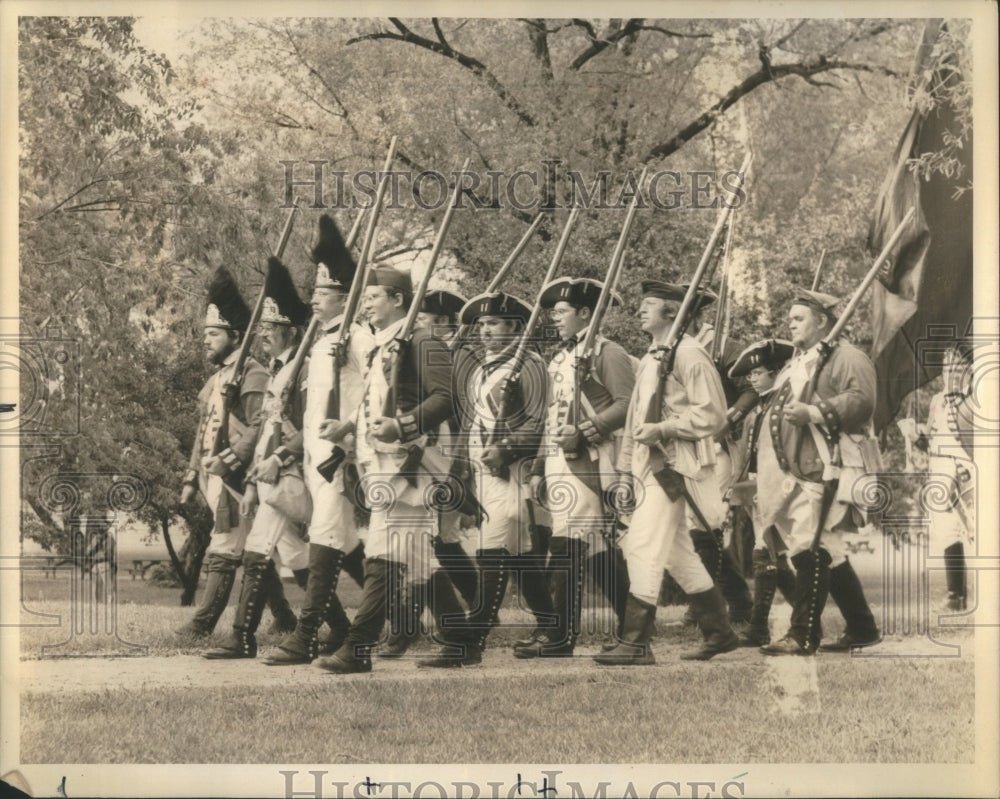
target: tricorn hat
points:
(771, 353)
(282, 304)
(506, 306)
(581, 291)
(226, 307)
(676, 292)
(335, 267)
(443, 303)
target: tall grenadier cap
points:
(581, 291)
(282, 304)
(771, 353)
(335, 266)
(226, 307)
(443, 303)
(505, 306)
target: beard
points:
(216, 357)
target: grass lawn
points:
(671, 713)
(739, 708)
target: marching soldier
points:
(760, 363)
(801, 431)
(507, 415)
(226, 323)
(439, 315)
(274, 485)
(407, 396)
(577, 465)
(334, 544)
(669, 452)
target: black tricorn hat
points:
(771, 353)
(705, 297)
(282, 304)
(498, 303)
(226, 307)
(335, 266)
(443, 303)
(581, 291)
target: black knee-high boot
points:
(321, 604)
(249, 609)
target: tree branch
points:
(777, 45)
(477, 67)
(767, 74)
(539, 37)
(440, 33)
(56, 207)
(676, 34)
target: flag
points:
(929, 282)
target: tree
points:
(810, 96)
(110, 171)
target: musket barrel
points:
(611, 279)
(859, 292)
(699, 272)
(536, 309)
(354, 296)
(494, 284)
(819, 270)
(418, 296)
(512, 258)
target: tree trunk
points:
(192, 553)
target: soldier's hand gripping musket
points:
(334, 428)
(234, 477)
(584, 364)
(527, 335)
(832, 481)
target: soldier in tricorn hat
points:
(760, 363)
(504, 432)
(577, 461)
(669, 451)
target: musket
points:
(826, 347)
(231, 390)
(295, 369)
(585, 361)
(672, 482)
(819, 270)
(405, 338)
(527, 334)
(498, 278)
(338, 351)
